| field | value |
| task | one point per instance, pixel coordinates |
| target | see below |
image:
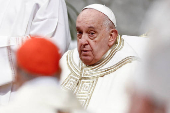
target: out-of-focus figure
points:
(19, 19)
(152, 82)
(38, 74)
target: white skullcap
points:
(105, 10)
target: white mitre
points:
(105, 10)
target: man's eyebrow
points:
(91, 27)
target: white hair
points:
(108, 23)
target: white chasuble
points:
(101, 88)
(42, 95)
(18, 20)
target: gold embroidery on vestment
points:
(83, 79)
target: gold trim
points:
(118, 46)
(111, 69)
(83, 86)
(71, 64)
(145, 35)
(82, 79)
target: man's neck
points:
(104, 56)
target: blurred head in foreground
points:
(38, 88)
(35, 58)
(152, 83)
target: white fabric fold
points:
(20, 19)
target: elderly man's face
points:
(92, 36)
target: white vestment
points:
(101, 88)
(18, 20)
(138, 43)
(42, 95)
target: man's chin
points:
(86, 60)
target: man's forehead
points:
(90, 15)
(88, 12)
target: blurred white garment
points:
(137, 43)
(157, 61)
(153, 77)
(21, 18)
(101, 88)
(42, 95)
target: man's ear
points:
(112, 37)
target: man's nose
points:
(84, 39)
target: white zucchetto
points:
(105, 10)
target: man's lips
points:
(85, 51)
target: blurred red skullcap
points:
(39, 56)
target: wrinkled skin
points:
(93, 39)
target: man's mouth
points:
(85, 51)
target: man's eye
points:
(79, 34)
(91, 33)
